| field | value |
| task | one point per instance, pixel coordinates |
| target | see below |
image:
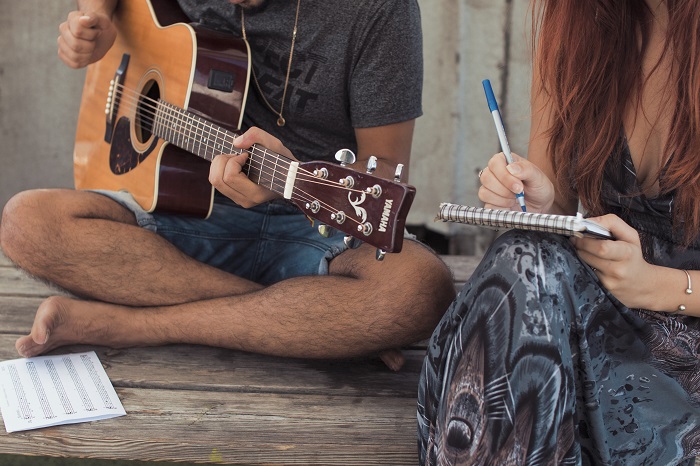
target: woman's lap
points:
(535, 363)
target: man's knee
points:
(15, 214)
(415, 285)
(22, 216)
(436, 282)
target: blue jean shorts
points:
(268, 243)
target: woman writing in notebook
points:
(586, 351)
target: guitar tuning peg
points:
(371, 164)
(324, 230)
(352, 242)
(321, 173)
(345, 157)
(380, 254)
(398, 173)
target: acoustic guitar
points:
(169, 97)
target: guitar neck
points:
(207, 140)
(359, 204)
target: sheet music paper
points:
(51, 390)
(567, 225)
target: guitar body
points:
(157, 55)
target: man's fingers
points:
(226, 175)
(77, 38)
(393, 358)
(261, 138)
(219, 169)
(87, 27)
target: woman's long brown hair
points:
(590, 61)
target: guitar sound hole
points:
(146, 110)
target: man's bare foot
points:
(63, 321)
(393, 358)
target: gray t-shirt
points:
(356, 64)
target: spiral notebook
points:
(568, 225)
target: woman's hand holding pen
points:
(500, 182)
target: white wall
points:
(39, 98)
(465, 42)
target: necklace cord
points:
(280, 120)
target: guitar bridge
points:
(113, 97)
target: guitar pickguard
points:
(122, 156)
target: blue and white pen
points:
(493, 106)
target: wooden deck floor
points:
(201, 404)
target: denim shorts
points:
(268, 243)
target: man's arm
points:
(391, 144)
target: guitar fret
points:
(213, 141)
(226, 147)
(156, 120)
(184, 130)
(192, 133)
(274, 172)
(163, 120)
(262, 167)
(187, 131)
(173, 125)
(210, 151)
(222, 146)
(179, 133)
(202, 137)
(170, 124)
(194, 136)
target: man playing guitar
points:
(255, 275)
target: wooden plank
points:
(236, 428)
(14, 282)
(17, 313)
(4, 261)
(462, 267)
(203, 404)
(189, 367)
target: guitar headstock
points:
(362, 205)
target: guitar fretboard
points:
(207, 140)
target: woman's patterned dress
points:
(536, 363)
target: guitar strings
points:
(194, 131)
(280, 186)
(134, 99)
